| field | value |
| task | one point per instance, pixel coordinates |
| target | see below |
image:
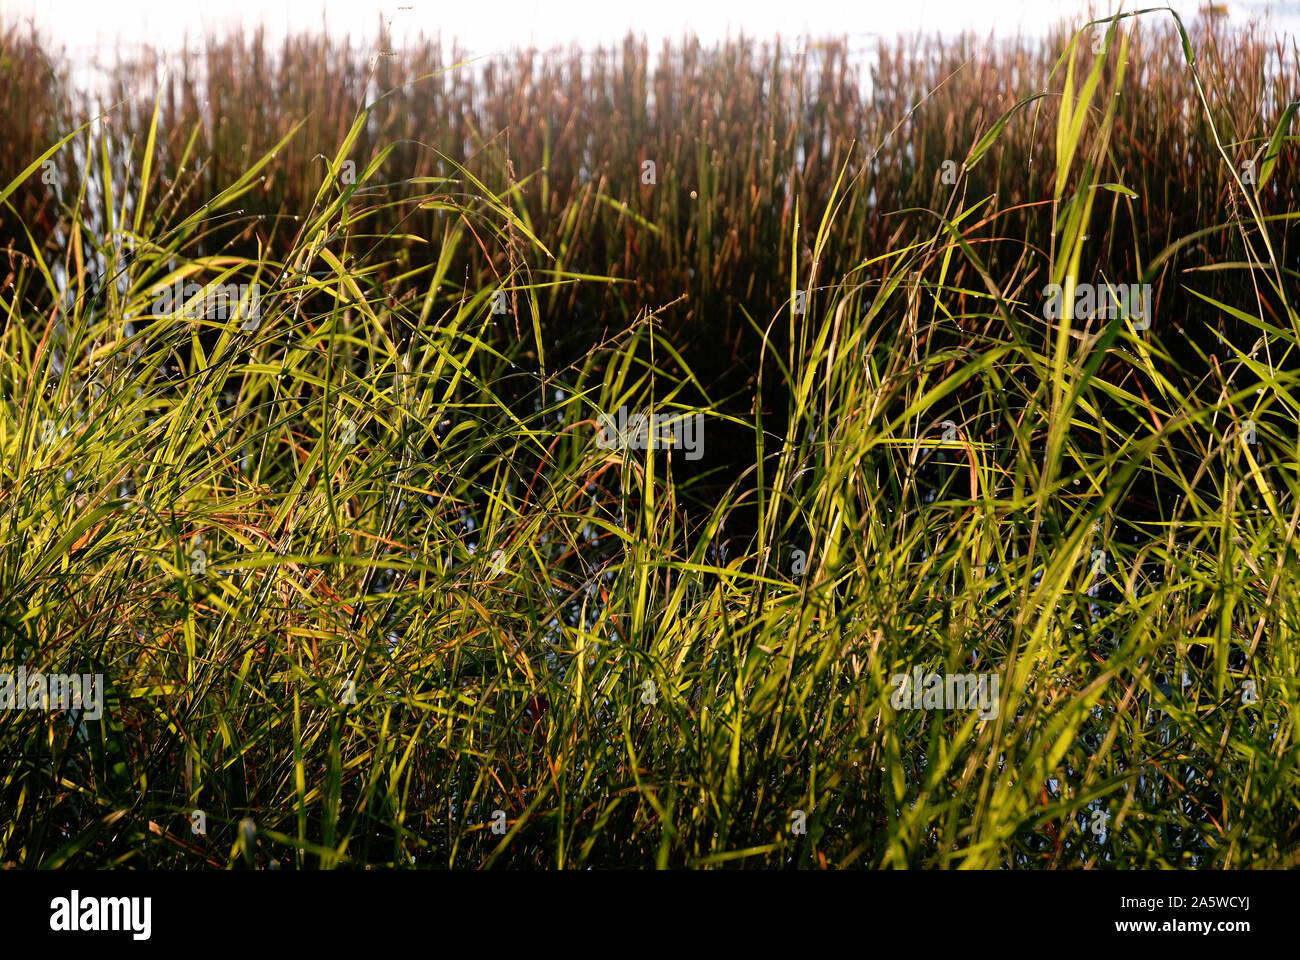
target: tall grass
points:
(359, 576)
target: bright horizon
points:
(94, 27)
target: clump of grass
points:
(359, 576)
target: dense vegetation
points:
(359, 573)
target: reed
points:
(359, 573)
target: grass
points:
(358, 574)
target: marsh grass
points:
(361, 576)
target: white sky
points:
(488, 26)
